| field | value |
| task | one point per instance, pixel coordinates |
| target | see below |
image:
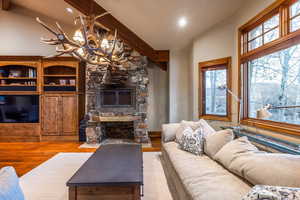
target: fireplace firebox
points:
(117, 97)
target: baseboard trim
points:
(19, 139)
(155, 134)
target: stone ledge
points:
(116, 118)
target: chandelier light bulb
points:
(78, 36)
(104, 44)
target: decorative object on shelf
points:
(239, 100)
(15, 73)
(94, 44)
(72, 82)
(62, 82)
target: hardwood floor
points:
(24, 156)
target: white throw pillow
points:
(192, 141)
(9, 185)
(207, 129)
(185, 124)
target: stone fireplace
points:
(118, 109)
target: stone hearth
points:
(103, 116)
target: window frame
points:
(217, 64)
(286, 39)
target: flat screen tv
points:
(19, 108)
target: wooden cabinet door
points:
(51, 115)
(69, 115)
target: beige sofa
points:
(192, 177)
(227, 171)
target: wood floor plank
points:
(25, 156)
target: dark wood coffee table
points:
(113, 172)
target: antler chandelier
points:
(92, 43)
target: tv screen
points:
(19, 109)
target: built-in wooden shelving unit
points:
(59, 84)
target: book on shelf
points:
(31, 73)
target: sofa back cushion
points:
(214, 142)
(258, 167)
(234, 149)
(169, 132)
(9, 185)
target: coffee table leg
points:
(72, 193)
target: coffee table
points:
(113, 172)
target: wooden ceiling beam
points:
(90, 7)
(5, 4)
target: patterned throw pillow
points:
(263, 192)
(192, 141)
(183, 125)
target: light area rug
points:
(48, 181)
(112, 141)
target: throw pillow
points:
(9, 185)
(207, 129)
(192, 141)
(214, 142)
(234, 149)
(183, 126)
(272, 193)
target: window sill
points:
(216, 117)
(273, 126)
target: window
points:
(264, 33)
(295, 16)
(275, 80)
(214, 79)
(270, 68)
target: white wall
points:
(179, 85)
(219, 42)
(158, 98)
(20, 33)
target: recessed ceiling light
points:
(70, 10)
(182, 22)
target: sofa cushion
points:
(233, 149)
(258, 167)
(9, 185)
(262, 168)
(183, 126)
(192, 141)
(214, 142)
(203, 178)
(169, 132)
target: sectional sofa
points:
(228, 169)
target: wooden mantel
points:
(90, 7)
(116, 118)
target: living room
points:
(153, 100)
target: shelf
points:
(59, 85)
(7, 85)
(18, 78)
(61, 75)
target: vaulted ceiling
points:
(155, 21)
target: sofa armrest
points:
(169, 132)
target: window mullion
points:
(284, 20)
